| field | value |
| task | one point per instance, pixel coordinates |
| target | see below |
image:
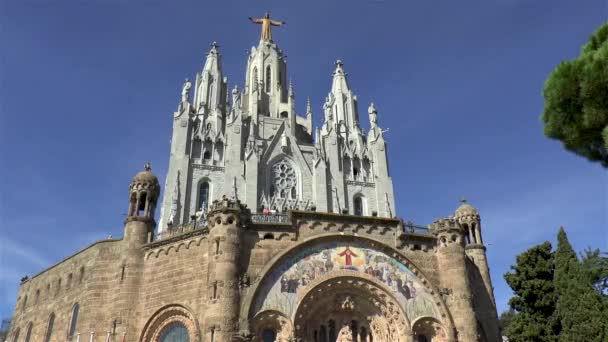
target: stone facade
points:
(319, 268)
(251, 144)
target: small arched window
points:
(207, 155)
(49, 328)
(142, 204)
(203, 196)
(268, 80)
(358, 206)
(28, 334)
(81, 278)
(269, 335)
(74, 320)
(24, 304)
(174, 332)
(69, 282)
(197, 147)
(37, 298)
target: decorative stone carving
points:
(345, 334)
(284, 180)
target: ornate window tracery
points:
(284, 180)
(175, 332)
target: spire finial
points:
(214, 47)
(148, 166)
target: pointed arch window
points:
(16, 335)
(28, 334)
(254, 79)
(74, 320)
(203, 196)
(358, 206)
(268, 79)
(49, 328)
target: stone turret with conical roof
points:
(143, 195)
(469, 219)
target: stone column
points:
(226, 219)
(453, 276)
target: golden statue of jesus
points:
(266, 22)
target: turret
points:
(266, 89)
(452, 270)
(226, 219)
(470, 221)
(143, 194)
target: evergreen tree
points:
(576, 100)
(579, 306)
(534, 302)
(595, 264)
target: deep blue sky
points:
(88, 89)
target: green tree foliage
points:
(579, 307)
(576, 100)
(505, 320)
(595, 264)
(534, 302)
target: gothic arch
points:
(351, 297)
(199, 189)
(166, 316)
(275, 321)
(251, 301)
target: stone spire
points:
(344, 112)
(210, 84)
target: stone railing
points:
(181, 229)
(208, 167)
(270, 218)
(410, 228)
(360, 182)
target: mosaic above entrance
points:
(284, 288)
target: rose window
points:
(284, 180)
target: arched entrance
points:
(350, 307)
(344, 289)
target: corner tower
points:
(469, 219)
(143, 194)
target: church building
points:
(270, 230)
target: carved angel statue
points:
(186, 90)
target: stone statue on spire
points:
(266, 22)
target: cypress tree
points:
(579, 306)
(531, 279)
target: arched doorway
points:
(313, 286)
(349, 307)
(428, 329)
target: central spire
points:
(267, 23)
